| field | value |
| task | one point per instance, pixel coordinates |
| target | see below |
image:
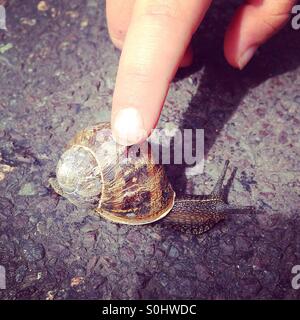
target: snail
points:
(125, 185)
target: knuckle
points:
(117, 36)
(160, 8)
(117, 33)
(275, 21)
(270, 24)
(278, 14)
(138, 73)
(162, 11)
(280, 8)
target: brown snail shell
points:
(123, 184)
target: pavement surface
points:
(57, 70)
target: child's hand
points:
(155, 37)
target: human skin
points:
(155, 35)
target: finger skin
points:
(118, 16)
(157, 38)
(252, 25)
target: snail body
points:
(126, 185)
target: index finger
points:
(157, 38)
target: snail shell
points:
(123, 184)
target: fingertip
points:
(237, 58)
(231, 40)
(252, 25)
(128, 127)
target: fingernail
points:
(128, 127)
(247, 56)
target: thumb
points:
(253, 24)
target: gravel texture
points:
(57, 69)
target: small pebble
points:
(41, 227)
(20, 273)
(173, 253)
(72, 14)
(33, 251)
(50, 295)
(76, 281)
(84, 23)
(28, 22)
(28, 189)
(43, 6)
(5, 47)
